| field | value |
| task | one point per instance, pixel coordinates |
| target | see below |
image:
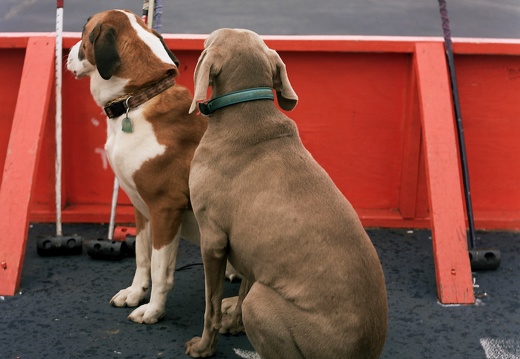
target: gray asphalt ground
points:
(62, 308)
(469, 18)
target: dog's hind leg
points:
(166, 232)
(270, 323)
(136, 293)
(279, 329)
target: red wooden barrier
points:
(21, 158)
(376, 114)
(452, 266)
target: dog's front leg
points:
(166, 230)
(136, 293)
(214, 256)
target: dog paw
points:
(197, 349)
(129, 297)
(231, 321)
(229, 305)
(146, 314)
(232, 324)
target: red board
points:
(374, 111)
(452, 266)
(357, 114)
(21, 158)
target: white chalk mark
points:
(102, 153)
(246, 354)
(501, 348)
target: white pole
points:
(58, 63)
(151, 5)
(112, 222)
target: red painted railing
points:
(375, 112)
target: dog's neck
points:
(128, 101)
(104, 91)
(116, 88)
(248, 123)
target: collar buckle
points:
(115, 109)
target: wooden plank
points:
(450, 250)
(316, 42)
(378, 175)
(422, 208)
(11, 65)
(411, 152)
(489, 87)
(22, 158)
(84, 213)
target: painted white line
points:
(501, 348)
(246, 354)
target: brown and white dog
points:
(150, 142)
(313, 285)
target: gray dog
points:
(313, 285)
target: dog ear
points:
(201, 79)
(170, 53)
(287, 98)
(103, 39)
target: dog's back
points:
(281, 207)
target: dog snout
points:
(72, 57)
(76, 62)
(74, 50)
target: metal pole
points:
(58, 74)
(458, 115)
(111, 224)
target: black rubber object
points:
(130, 245)
(105, 249)
(59, 246)
(484, 259)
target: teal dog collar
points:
(252, 94)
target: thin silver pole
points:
(58, 74)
